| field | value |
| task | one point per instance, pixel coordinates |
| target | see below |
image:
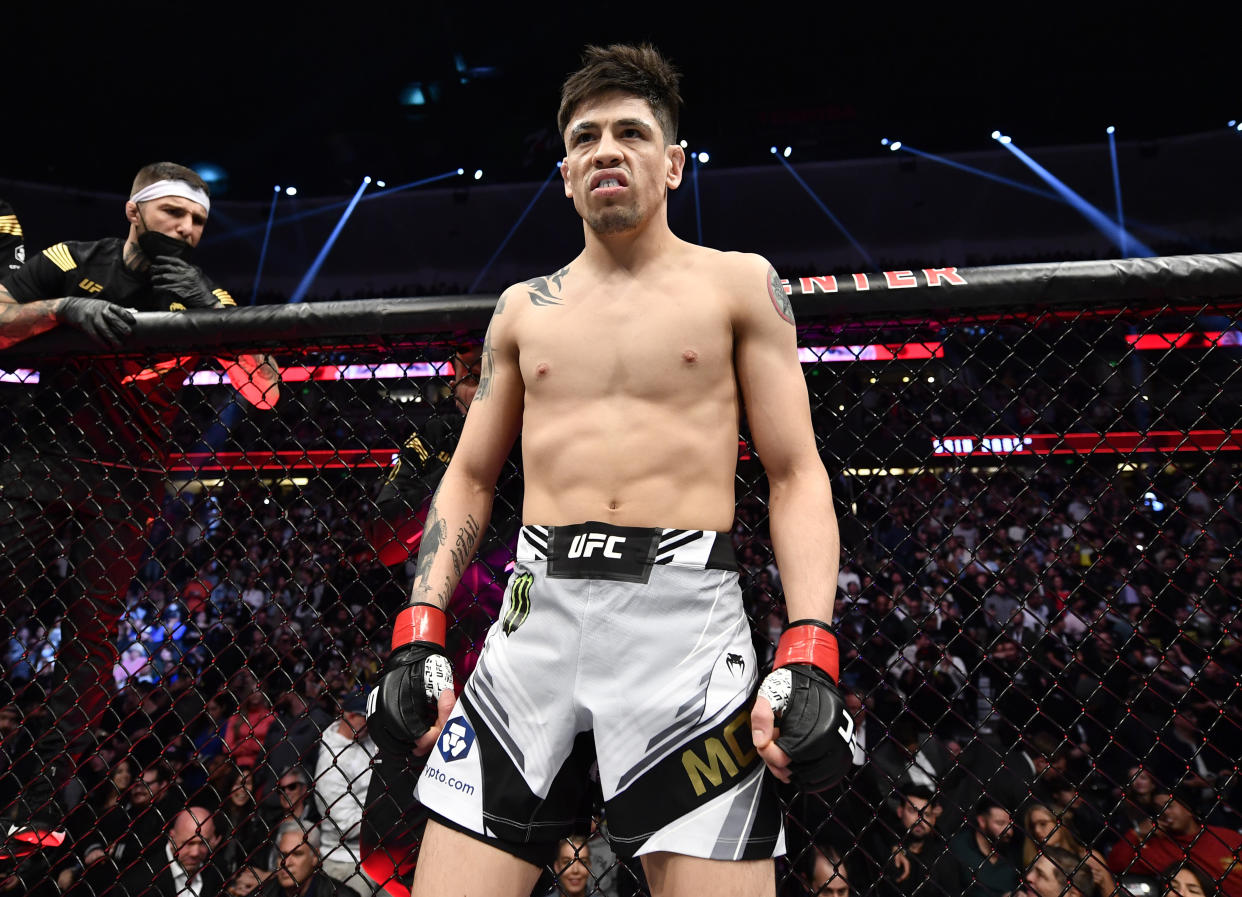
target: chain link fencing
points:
(1036, 475)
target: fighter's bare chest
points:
(637, 346)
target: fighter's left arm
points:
(799, 722)
(803, 522)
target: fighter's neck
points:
(632, 250)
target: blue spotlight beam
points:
(1102, 222)
(271, 216)
(1121, 217)
(979, 172)
(827, 211)
(1162, 232)
(694, 182)
(313, 271)
(243, 232)
(509, 236)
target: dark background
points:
(276, 94)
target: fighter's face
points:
(174, 216)
(618, 164)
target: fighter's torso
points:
(631, 402)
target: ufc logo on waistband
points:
(584, 545)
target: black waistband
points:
(595, 550)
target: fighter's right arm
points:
(462, 504)
(412, 699)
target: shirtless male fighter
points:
(622, 638)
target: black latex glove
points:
(174, 280)
(102, 320)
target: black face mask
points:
(154, 244)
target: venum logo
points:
(735, 663)
(456, 740)
(585, 544)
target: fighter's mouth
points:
(612, 177)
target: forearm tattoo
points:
(435, 537)
(547, 290)
(777, 293)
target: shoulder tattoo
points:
(777, 294)
(547, 290)
(487, 364)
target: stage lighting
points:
(381, 184)
(883, 141)
(773, 150)
(1233, 122)
(461, 171)
(788, 150)
(1005, 138)
(894, 146)
(277, 188)
(996, 135)
(684, 144)
(291, 191)
(1109, 129)
(367, 179)
(478, 174)
(704, 158)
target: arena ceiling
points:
(272, 94)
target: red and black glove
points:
(817, 731)
(404, 703)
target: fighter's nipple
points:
(689, 356)
(541, 369)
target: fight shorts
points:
(624, 646)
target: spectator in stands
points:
(1181, 835)
(246, 729)
(293, 738)
(1045, 827)
(293, 787)
(246, 880)
(919, 861)
(572, 867)
(299, 872)
(983, 866)
(183, 867)
(241, 831)
(829, 874)
(1185, 879)
(1057, 872)
(342, 774)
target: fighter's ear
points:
(564, 166)
(676, 157)
(131, 212)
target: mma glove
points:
(175, 280)
(816, 728)
(404, 703)
(104, 321)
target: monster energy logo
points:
(519, 603)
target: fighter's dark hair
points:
(167, 171)
(637, 70)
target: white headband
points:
(164, 188)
